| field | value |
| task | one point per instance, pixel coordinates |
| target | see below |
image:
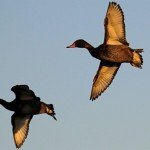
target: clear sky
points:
(33, 39)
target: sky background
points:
(33, 39)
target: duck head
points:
(50, 110)
(80, 44)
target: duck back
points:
(115, 53)
(29, 107)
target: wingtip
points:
(92, 98)
(113, 3)
(18, 145)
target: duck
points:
(113, 52)
(25, 105)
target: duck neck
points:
(5, 104)
(91, 50)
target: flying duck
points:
(114, 50)
(25, 106)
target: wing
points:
(114, 25)
(23, 92)
(103, 78)
(20, 125)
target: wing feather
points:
(20, 125)
(115, 33)
(23, 93)
(103, 78)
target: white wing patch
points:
(20, 125)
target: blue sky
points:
(33, 39)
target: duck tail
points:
(137, 58)
(52, 111)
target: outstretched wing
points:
(103, 78)
(115, 33)
(23, 92)
(20, 125)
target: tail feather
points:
(137, 58)
(139, 50)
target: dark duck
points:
(25, 106)
(113, 52)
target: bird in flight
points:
(25, 106)
(113, 52)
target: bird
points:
(113, 52)
(25, 105)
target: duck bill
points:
(54, 117)
(71, 46)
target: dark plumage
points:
(114, 51)
(25, 105)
